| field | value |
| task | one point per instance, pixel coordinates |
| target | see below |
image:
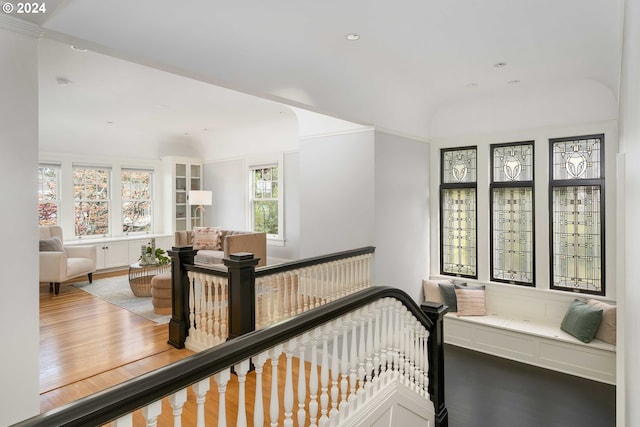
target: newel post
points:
(435, 312)
(242, 293)
(179, 323)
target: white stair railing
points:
(386, 353)
(279, 296)
(208, 311)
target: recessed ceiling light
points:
(78, 48)
(514, 82)
(500, 64)
(109, 122)
(472, 85)
(63, 81)
(353, 37)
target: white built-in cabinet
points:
(180, 176)
(114, 253)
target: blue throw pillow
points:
(582, 321)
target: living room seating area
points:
(59, 263)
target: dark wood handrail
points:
(308, 262)
(117, 401)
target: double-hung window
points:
(265, 199)
(91, 200)
(137, 200)
(576, 192)
(512, 213)
(458, 201)
(48, 194)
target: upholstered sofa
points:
(214, 244)
(60, 263)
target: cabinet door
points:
(181, 179)
(116, 254)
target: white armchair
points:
(60, 263)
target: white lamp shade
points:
(200, 197)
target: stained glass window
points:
(458, 229)
(512, 216)
(577, 214)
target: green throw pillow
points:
(582, 321)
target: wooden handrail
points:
(122, 399)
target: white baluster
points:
(344, 367)
(302, 380)
(192, 318)
(211, 332)
(353, 360)
(177, 400)
(200, 389)
(288, 384)
(222, 378)
(383, 341)
(313, 379)
(274, 407)
(324, 376)
(362, 356)
(258, 407)
(124, 421)
(224, 311)
(401, 342)
(377, 311)
(369, 349)
(335, 366)
(241, 370)
(152, 412)
(396, 339)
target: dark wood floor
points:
(487, 391)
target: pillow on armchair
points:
(51, 244)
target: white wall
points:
(228, 181)
(19, 316)
(401, 213)
(337, 191)
(629, 232)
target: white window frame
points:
(149, 200)
(108, 200)
(256, 162)
(57, 200)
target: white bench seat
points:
(523, 324)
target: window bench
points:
(523, 324)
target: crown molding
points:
(19, 26)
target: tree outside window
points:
(264, 199)
(48, 194)
(136, 200)
(91, 195)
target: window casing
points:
(512, 213)
(48, 194)
(137, 200)
(265, 199)
(91, 200)
(458, 212)
(576, 201)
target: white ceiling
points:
(413, 58)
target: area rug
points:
(116, 290)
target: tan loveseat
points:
(230, 242)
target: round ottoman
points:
(161, 293)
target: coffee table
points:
(140, 277)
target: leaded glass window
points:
(512, 213)
(577, 214)
(458, 227)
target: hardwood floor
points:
(87, 345)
